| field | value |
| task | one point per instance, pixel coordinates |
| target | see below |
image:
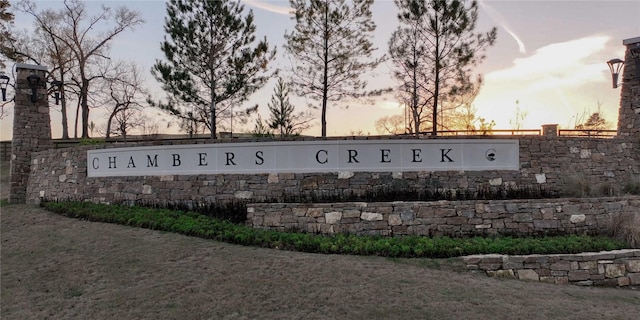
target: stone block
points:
(547, 213)
(562, 280)
(243, 194)
(523, 217)
(481, 208)
(473, 259)
(332, 217)
(528, 274)
(543, 272)
(407, 216)
(579, 275)
(493, 258)
(507, 274)
(371, 216)
(345, 175)
(588, 265)
(445, 212)
(550, 280)
(272, 220)
(315, 212)
(513, 263)
(561, 266)
(546, 224)
(299, 212)
(633, 265)
(623, 281)
(351, 214)
(577, 218)
(457, 220)
(395, 220)
(634, 278)
(614, 270)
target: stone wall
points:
(450, 218)
(554, 163)
(610, 268)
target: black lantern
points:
(615, 65)
(4, 82)
(34, 83)
(57, 86)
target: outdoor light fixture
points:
(4, 81)
(57, 85)
(615, 65)
(34, 82)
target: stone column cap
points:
(34, 66)
(629, 41)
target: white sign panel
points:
(306, 156)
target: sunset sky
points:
(550, 56)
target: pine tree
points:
(6, 37)
(434, 49)
(211, 63)
(332, 47)
(283, 119)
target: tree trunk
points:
(325, 79)
(63, 110)
(84, 93)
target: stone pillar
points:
(31, 128)
(550, 130)
(629, 112)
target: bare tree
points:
(126, 98)
(74, 29)
(394, 124)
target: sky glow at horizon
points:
(550, 56)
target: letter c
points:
(326, 154)
(96, 163)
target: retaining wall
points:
(609, 268)
(451, 218)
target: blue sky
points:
(550, 56)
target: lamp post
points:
(4, 82)
(57, 85)
(615, 65)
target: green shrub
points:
(199, 225)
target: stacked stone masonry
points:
(552, 163)
(449, 218)
(610, 268)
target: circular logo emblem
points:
(490, 154)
